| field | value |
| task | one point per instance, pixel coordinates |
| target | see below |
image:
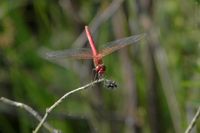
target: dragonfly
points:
(93, 53)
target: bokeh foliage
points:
(28, 27)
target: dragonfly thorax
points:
(100, 69)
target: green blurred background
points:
(158, 79)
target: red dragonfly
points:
(85, 53)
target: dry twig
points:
(48, 110)
(193, 122)
(29, 110)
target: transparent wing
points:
(118, 44)
(82, 53)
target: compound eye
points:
(102, 69)
(98, 68)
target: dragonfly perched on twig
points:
(93, 53)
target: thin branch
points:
(29, 110)
(193, 122)
(48, 110)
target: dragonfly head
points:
(100, 69)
